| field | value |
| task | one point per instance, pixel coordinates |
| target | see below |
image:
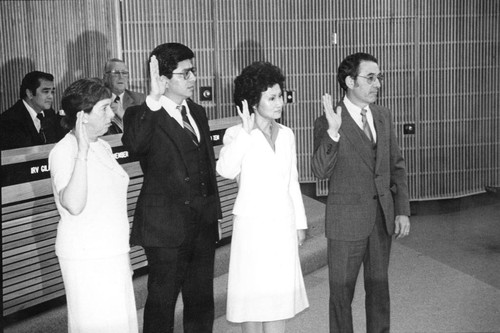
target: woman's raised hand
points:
(81, 135)
(158, 85)
(247, 119)
(334, 118)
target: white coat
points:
(265, 279)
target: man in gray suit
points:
(355, 148)
(116, 76)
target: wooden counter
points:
(31, 273)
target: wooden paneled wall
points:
(440, 60)
(69, 39)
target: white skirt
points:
(100, 295)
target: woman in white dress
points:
(265, 285)
(90, 190)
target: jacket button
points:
(187, 202)
(186, 179)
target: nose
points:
(110, 113)
(281, 101)
(192, 76)
(377, 83)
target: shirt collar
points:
(355, 111)
(32, 112)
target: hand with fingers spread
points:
(334, 118)
(158, 84)
(247, 119)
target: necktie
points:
(117, 120)
(41, 132)
(187, 125)
(366, 126)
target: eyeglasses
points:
(116, 73)
(187, 72)
(371, 78)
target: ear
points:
(85, 116)
(350, 82)
(29, 94)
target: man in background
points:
(32, 121)
(355, 148)
(116, 77)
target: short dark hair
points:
(254, 80)
(350, 67)
(31, 81)
(82, 95)
(169, 55)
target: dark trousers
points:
(188, 268)
(344, 262)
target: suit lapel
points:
(29, 125)
(175, 132)
(351, 131)
(380, 128)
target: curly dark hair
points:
(254, 80)
(82, 95)
(350, 67)
(169, 55)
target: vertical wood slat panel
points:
(69, 39)
(415, 42)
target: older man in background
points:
(116, 76)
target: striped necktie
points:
(366, 126)
(187, 125)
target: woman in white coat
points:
(265, 285)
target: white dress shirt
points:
(33, 115)
(171, 108)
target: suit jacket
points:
(130, 98)
(165, 202)
(18, 130)
(360, 178)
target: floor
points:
(445, 277)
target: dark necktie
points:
(116, 119)
(366, 126)
(41, 132)
(187, 125)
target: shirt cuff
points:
(334, 137)
(152, 104)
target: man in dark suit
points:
(176, 218)
(116, 78)
(32, 121)
(355, 148)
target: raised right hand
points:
(334, 118)
(247, 119)
(158, 85)
(81, 135)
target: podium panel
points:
(31, 273)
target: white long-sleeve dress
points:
(265, 278)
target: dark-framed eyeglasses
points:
(187, 73)
(371, 78)
(117, 73)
